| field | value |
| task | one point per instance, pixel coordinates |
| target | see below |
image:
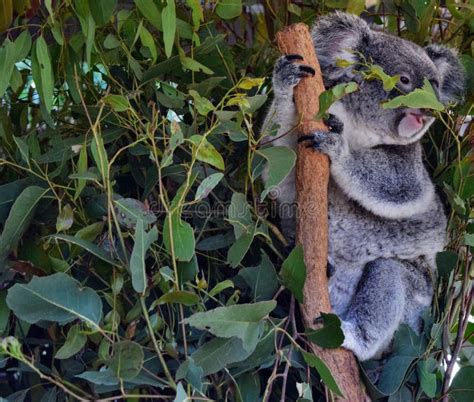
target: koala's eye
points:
(404, 80)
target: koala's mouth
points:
(413, 122)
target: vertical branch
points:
(312, 177)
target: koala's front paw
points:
(288, 74)
(330, 143)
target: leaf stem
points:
(155, 344)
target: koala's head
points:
(344, 36)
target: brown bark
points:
(312, 176)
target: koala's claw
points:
(288, 74)
(291, 57)
(318, 320)
(329, 143)
(305, 138)
(307, 69)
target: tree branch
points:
(312, 177)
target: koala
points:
(386, 222)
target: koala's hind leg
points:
(376, 310)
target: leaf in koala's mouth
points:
(420, 98)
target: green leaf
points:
(197, 13)
(103, 377)
(462, 387)
(206, 152)
(100, 155)
(446, 261)
(423, 98)
(86, 245)
(427, 379)
(469, 239)
(355, 7)
(127, 359)
(219, 353)
(168, 16)
(239, 214)
(148, 41)
(150, 11)
(203, 105)
(102, 10)
(81, 170)
(65, 218)
(6, 14)
(239, 248)
(228, 9)
(7, 62)
(4, 313)
(393, 374)
(117, 102)
(244, 321)
(75, 341)
(323, 371)
(262, 279)
(207, 185)
(23, 147)
(143, 242)
(46, 88)
(193, 65)
(327, 98)
(331, 335)
(191, 373)
(293, 272)
(181, 395)
(376, 72)
(22, 46)
(178, 236)
(280, 162)
(220, 287)
(408, 343)
(129, 210)
(19, 219)
(180, 297)
(58, 298)
(249, 83)
(111, 42)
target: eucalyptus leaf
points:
(243, 321)
(19, 218)
(218, 353)
(58, 298)
(280, 162)
(46, 72)
(88, 246)
(228, 9)
(206, 152)
(178, 237)
(423, 98)
(127, 359)
(462, 387)
(293, 272)
(262, 279)
(207, 185)
(75, 341)
(143, 241)
(168, 16)
(326, 375)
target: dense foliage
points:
(140, 254)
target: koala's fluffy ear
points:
(451, 73)
(335, 36)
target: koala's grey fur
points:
(386, 222)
